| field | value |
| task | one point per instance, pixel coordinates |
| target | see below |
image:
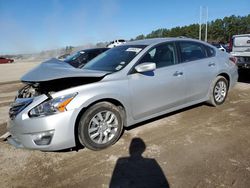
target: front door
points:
(159, 90)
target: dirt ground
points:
(13, 71)
(200, 146)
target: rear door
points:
(200, 68)
(156, 91)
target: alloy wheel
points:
(220, 91)
(103, 127)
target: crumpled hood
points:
(55, 69)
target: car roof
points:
(154, 41)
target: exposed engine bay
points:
(33, 89)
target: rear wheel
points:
(218, 91)
(100, 126)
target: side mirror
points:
(145, 67)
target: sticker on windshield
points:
(81, 52)
(136, 50)
(118, 67)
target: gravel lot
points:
(200, 146)
(13, 71)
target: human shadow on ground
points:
(137, 171)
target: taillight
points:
(233, 59)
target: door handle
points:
(177, 73)
(211, 64)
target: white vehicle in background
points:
(116, 43)
(241, 50)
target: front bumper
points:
(25, 130)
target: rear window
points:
(241, 41)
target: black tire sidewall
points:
(86, 118)
(226, 82)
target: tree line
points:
(219, 30)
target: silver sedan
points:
(61, 106)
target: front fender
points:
(109, 90)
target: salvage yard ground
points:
(200, 146)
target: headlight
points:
(52, 106)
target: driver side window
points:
(162, 55)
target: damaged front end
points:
(50, 77)
(33, 89)
(40, 108)
(55, 75)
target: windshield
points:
(114, 59)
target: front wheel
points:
(218, 91)
(100, 126)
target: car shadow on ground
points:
(79, 147)
(244, 76)
(136, 170)
(164, 116)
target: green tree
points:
(219, 30)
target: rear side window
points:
(191, 51)
(210, 51)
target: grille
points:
(18, 106)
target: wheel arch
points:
(113, 101)
(225, 75)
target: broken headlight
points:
(52, 106)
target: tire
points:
(218, 91)
(100, 126)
